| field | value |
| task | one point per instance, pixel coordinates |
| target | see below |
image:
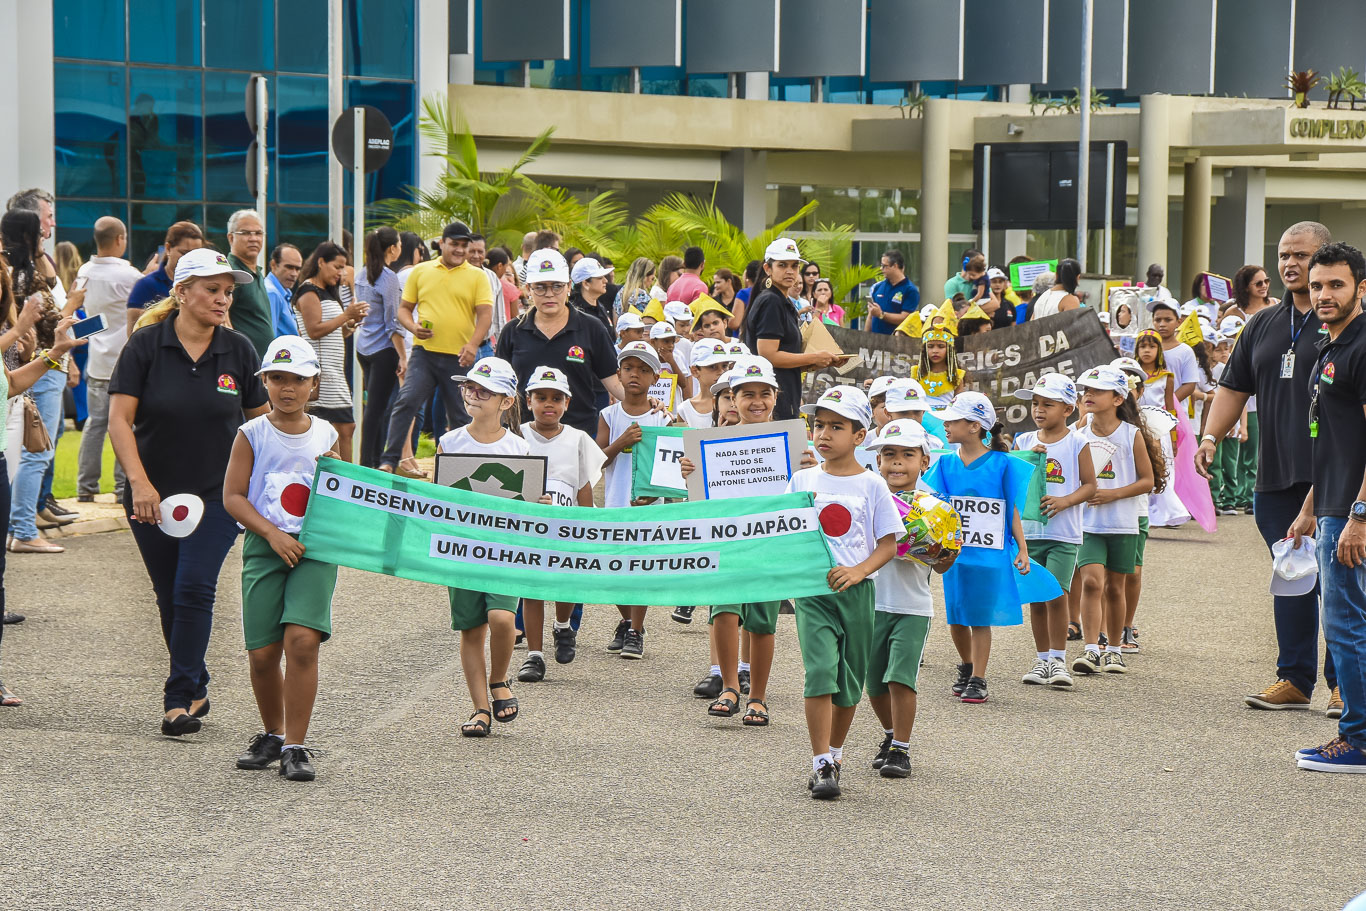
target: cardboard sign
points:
(511, 477)
(665, 389)
(1022, 275)
(816, 337)
(983, 521)
(751, 460)
(1215, 287)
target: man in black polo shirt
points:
(1337, 430)
(1273, 360)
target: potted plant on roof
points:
(1301, 84)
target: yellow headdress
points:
(655, 310)
(912, 326)
(705, 303)
(941, 334)
(949, 315)
(975, 312)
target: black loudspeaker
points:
(1034, 184)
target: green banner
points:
(746, 549)
(654, 463)
(1038, 486)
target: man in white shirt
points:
(1152, 284)
(107, 279)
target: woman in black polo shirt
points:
(550, 333)
(771, 329)
(181, 388)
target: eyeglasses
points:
(548, 288)
(250, 233)
(476, 392)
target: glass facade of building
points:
(150, 121)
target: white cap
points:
(753, 369)
(737, 348)
(709, 352)
(993, 272)
(969, 406)
(546, 266)
(1232, 325)
(906, 395)
(1103, 317)
(1209, 334)
(290, 354)
(1105, 377)
(848, 401)
(678, 311)
(204, 262)
(663, 329)
(880, 385)
(904, 432)
(723, 384)
(493, 373)
(1163, 303)
(1294, 570)
(1221, 339)
(1129, 365)
(1185, 309)
(783, 249)
(629, 320)
(587, 268)
(549, 378)
(641, 351)
(1054, 386)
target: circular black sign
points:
(379, 138)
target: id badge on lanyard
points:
(1288, 365)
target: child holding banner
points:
(986, 486)
(1128, 457)
(618, 430)
(490, 394)
(286, 597)
(901, 622)
(573, 465)
(861, 524)
(937, 370)
(1070, 479)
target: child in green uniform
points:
(286, 597)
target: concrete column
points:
(1238, 221)
(27, 158)
(1017, 239)
(934, 199)
(756, 86)
(435, 66)
(1195, 223)
(744, 178)
(1154, 150)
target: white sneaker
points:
(1039, 673)
(1057, 674)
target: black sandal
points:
(500, 704)
(724, 707)
(1073, 631)
(755, 719)
(474, 728)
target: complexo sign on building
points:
(1323, 128)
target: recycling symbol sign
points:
(495, 480)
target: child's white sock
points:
(538, 653)
(897, 744)
(887, 731)
(1043, 656)
(1093, 647)
(1112, 649)
(817, 760)
(291, 746)
(744, 665)
(279, 737)
(1059, 653)
(716, 670)
(837, 753)
(559, 625)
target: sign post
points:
(257, 113)
(357, 245)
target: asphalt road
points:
(615, 790)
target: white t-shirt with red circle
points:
(854, 510)
(282, 468)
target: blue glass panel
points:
(88, 29)
(302, 27)
(164, 31)
(241, 35)
(378, 35)
(216, 223)
(397, 100)
(304, 227)
(303, 142)
(148, 224)
(708, 86)
(90, 130)
(163, 134)
(227, 136)
(76, 221)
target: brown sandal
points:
(409, 468)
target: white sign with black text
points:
(983, 521)
(751, 460)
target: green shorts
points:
(1142, 539)
(835, 632)
(1117, 553)
(1058, 557)
(760, 617)
(273, 594)
(470, 610)
(898, 645)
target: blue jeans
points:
(1344, 625)
(184, 573)
(4, 519)
(28, 480)
(1297, 618)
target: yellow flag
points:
(1189, 331)
(912, 325)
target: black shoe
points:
(202, 710)
(261, 752)
(787, 607)
(975, 692)
(1103, 641)
(683, 614)
(566, 641)
(633, 644)
(295, 764)
(619, 637)
(180, 724)
(898, 764)
(533, 669)
(744, 683)
(12, 617)
(1249, 510)
(87, 498)
(824, 783)
(964, 673)
(59, 510)
(881, 756)
(709, 687)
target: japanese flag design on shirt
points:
(855, 511)
(282, 469)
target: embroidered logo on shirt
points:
(574, 354)
(227, 384)
(1052, 472)
(1327, 374)
(896, 298)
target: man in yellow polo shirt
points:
(454, 305)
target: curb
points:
(86, 527)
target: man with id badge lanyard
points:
(1274, 360)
